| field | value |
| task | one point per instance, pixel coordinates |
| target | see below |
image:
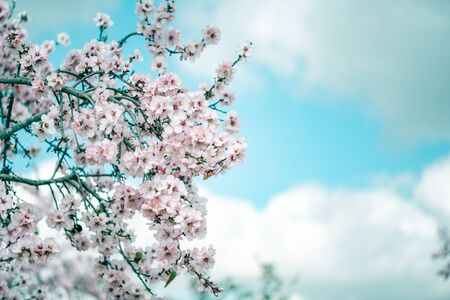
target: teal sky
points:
(344, 106)
(320, 136)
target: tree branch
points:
(15, 80)
(123, 41)
(36, 182)
(19, 126)
(65, 89)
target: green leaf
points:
(138, 256)
(171, 277)
(78, 227)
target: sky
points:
(344, 106)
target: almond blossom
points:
(125, 144)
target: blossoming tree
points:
(444, 253)
(124, 144)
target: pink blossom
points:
(103, 20)
(211, 35)
(63, 39)
(124, 144)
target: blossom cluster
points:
(125, 143)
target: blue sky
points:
(322, 135)
(345, 108)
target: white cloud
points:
(393, 55)
(345, 244)
(433, 191)
(359, 244)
